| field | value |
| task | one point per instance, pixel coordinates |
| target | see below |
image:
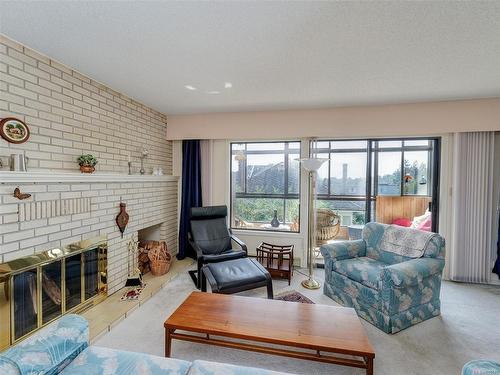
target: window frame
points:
(286, 194)
(372, 150)
(430, 165)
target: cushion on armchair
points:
(426, 225)
(226, 255)
(364, 270)
(402, 222)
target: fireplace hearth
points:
(37, 289)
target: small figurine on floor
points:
(132, 294)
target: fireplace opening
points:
(152, 255)
(149, 238)
(151, 233)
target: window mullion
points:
(401, 180)
(245, 169)
(368, 182)
(285, 186)
(330, 158)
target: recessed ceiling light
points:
(214, 92)
(189, 87)
(228, 85)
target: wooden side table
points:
(276, 259)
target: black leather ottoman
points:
(233, 276)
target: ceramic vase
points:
(275, 222)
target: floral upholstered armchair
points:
(392, 277)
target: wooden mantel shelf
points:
(51, 177)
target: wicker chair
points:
(327, 225)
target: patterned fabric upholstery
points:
(411, 272)
(97, 360)
(62, 347)
(213, 368)
(364, 270)
(50, 350)
(389, 290)
(345, 250)
(481, 367)
(407, 242)
(8, 367)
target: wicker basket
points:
(327, 226)
(159, 259)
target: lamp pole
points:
(311, 165)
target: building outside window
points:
(360, 170)
(342, 181)
(265, 186)
(403, 167)
(265, 179)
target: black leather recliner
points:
(211, 238)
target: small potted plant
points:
(87, 163)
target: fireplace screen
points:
(91, 260)
(38, 289)
(25, 302)
(51, 291)
(73, 267)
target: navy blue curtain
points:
(496, 269)
(191, 192)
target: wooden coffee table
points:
(314, 332)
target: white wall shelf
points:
(54, 177)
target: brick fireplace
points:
(66, 208)
(70, 114)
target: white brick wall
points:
(148, 204)
(69, 114)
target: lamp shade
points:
(312, 164)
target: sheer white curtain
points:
(206, 148)
(474, 207)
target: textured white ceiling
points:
(278, 55)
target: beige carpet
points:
(467, 329)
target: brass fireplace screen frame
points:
(35, 264)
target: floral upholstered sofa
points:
(392, 276)
(62, 347)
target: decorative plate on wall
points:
(14, 130)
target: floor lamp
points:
(311, 166)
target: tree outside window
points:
(265, 185)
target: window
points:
(265, 184)
(403, 168)
(389, 173)
(360, 170)
(341, 184)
